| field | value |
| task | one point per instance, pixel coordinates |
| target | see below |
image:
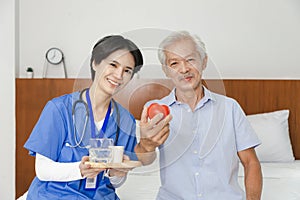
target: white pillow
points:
(273, 131)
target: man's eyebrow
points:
(193, 54)
(171, 59)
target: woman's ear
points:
(94, 65)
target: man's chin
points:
(186, 87)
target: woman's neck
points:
(100, 102)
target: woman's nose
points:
(119, 72)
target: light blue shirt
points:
(199, 159)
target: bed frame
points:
(254, 96)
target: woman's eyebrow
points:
(129, 67)
(116, 62)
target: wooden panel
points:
(258, 96)
(255, 96)
(134, 96)
(31, 97)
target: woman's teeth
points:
(114, 83)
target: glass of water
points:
(100, 151)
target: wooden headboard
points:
(255, 96)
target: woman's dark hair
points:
(109, 44)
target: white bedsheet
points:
(281, 182)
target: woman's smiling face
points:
(115, 71)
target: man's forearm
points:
(253, 181)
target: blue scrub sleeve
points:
(48, 134)
(131, 144)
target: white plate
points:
(130, 164)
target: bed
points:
(270, 110)
(281, 182)
(271, 105)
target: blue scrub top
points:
(53, 136)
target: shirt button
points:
(199, 195)
(197, 174)
(189, 110)
(195, 152)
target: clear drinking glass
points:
(100, 151)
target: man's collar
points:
(171, 98)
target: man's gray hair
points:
(177, 36)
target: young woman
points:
(60, 138)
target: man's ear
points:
(204, 63)
(164, 68)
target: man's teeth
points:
(114, 83)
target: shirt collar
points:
(171, 98)
(208, 94)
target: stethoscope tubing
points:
(80, 100)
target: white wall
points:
(7, 102)
(246, 39)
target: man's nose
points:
(184, 67)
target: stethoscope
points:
(89, 116)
